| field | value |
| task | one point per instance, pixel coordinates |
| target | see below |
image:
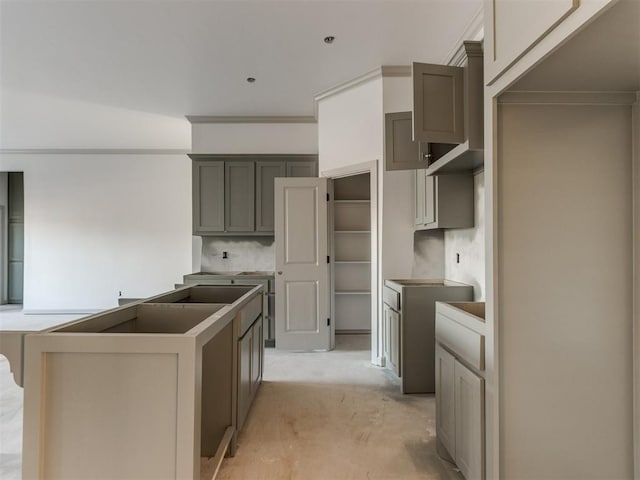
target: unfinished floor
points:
(333, 415)
(328, 415)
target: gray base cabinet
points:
(460, 386)
(233, 194)
(409, 328)
(250, 357)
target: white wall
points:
(99, 224)
(34, 121)
(565, 291)
(104, 222)
(469, 243)
(255, 138)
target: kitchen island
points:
(151, 389)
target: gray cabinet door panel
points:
(302, 169)
(400, 151)
(208, 197)
(239, 191)
(445, 400)
(438, 103)
(469, 421)
(266, 172)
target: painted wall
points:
(99, 224)
(469, 243)
(565, 291)
(246, 253)
(34, 121)
(255, 138)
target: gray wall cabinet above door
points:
(302, 169)
(266, 173)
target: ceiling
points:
(605, 56)
(182, 57)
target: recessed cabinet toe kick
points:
(460, 419)
(155, 389)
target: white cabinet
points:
(513, 27)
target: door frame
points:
(376, 280)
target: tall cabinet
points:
(351, 299)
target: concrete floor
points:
(334, 415)
(322, 416)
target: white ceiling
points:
(192, 57)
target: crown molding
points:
(93, 151)
(474, 31)
(250, 119)
(380, 72)
(567, 98)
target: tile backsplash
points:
(244, 253)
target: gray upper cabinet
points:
(400, 151)
(443, 201)
(266, 172)
(233, 194)
(302, 169)
(208, 197)
(239, 196)
(444, 132)
(438, 103)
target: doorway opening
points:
(12, 237)
(353, 240)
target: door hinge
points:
(327, 197)
(328, 322)
(328, 259)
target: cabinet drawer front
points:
(391, 298)
(249, 313)
(464, 342)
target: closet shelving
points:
(352, 253)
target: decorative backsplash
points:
(243, 253)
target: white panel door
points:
(302, 270)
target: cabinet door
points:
(445, 404)
(430, 205)
(244, 376)
(513, 27)
(208, 197)
(302, 169)
(257, 346)
(419, 201)
(438, 103)
(400, 151)
(385, 335)
(394, 342)
(239, 196)
(469, 420)
(266, 172)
